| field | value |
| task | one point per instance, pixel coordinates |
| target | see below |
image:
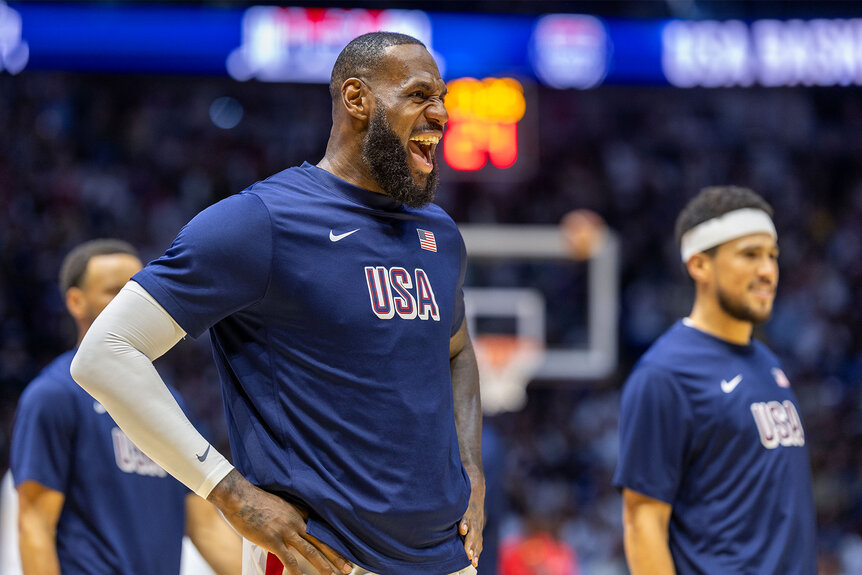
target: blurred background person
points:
(539, 551)
(89, 501)
(714, 468)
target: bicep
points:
(644, 511)
(654, 434)
(39, 506)
(44, 435)
(645, 534)
(459, 341)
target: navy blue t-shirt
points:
(330, 309)
(713, 429)
(122, 513)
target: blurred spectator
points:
(538, 552)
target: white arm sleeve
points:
(114, 364)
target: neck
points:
(710, 318)
(344, 160)
(82, 331)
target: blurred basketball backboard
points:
(525, 310)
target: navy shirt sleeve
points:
(458, 312)
(43, 436)
(654, 432)
(218, 264)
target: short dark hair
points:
(362, 56)
(716, 201)
(75, 263)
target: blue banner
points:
(294, 44)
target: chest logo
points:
(729, 386)
(780, 378)
(778, 424)
(335, 238)
(395, 290)
(427, 241)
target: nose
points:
(767, 269)
(436, 112)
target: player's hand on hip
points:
(473, 522)
(275, 525)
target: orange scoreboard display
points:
(483, 123)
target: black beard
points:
(740, 311)
(385, 156)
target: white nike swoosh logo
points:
(728, 386)
(335, 238)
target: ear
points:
(75, 303)
(699, 267)
(356, 98)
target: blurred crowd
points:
(136, 157)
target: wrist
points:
(477, 478)
(226, 493)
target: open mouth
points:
(422, 148)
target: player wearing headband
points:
(713, 464)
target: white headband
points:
(724, 228)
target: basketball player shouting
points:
(333, 297)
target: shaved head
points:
(363, 56)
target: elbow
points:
(85, 365)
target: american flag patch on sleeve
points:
(426, 240)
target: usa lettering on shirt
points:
(778, 423)
(130, 459)
(391, 291)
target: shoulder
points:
(651, 377)
(294, 180)
(436, 214)
(658, 371)
(247, 204)
(432, 218)
(763, 351)
(225, 229)
(653, 390)
(668, 353)
(54, 384)
(53, 396)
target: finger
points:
(473, 544)
(311, 554)
(469, 545)
(288, 561)
(331, 554)
(463, 528)
(474, 558)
